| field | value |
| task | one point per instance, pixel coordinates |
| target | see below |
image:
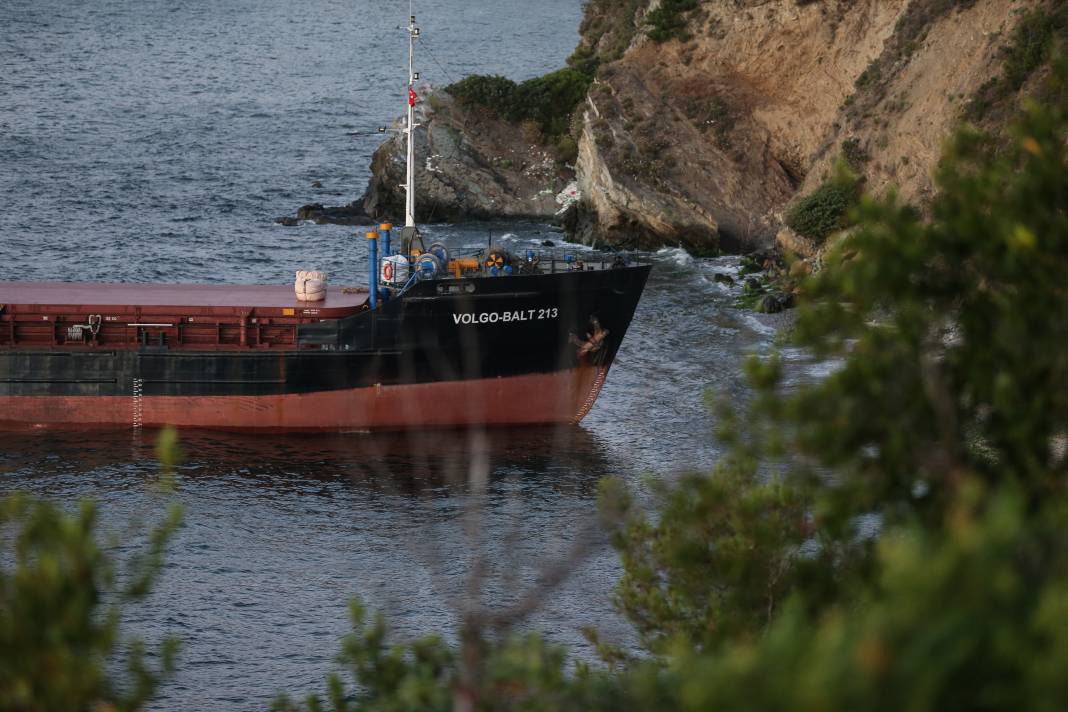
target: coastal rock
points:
(472, 165)
(703, 139)
(351, 214)
(790, 242)
(775, 303)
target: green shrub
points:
(550, 99)
(854, 154)
(584, 59)
(667, 21)
(490, 91)
(607, 30)
(547, 100)
(823, 211)
(60, 604)
(566, 149)
(1032, 45)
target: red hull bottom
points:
(561, 397)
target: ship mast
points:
(409, 204)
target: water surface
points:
(156, 141)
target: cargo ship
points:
(434, 340)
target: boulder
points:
(472, 165)
(721, 278)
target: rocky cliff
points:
(705, 120)
(470, 164)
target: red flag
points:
(411, 97)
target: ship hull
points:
(510, 351)
(561, 397)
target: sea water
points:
(156, 141)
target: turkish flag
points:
(411, 97)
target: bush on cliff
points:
(491, 91)
(667, 22)
(548, 100)
(1035, 39)
(824, 210)
(607, 29)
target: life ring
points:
(387, 271)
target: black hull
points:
(438, 332)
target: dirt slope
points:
(710, 136)
(701, 127)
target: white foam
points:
(676, 254)
(757, 325)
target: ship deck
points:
(49, 315)
(74, 297)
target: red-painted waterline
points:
(561, 397)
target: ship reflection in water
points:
(281, 531)
(403, 462)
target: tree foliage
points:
(60, 599)
(548, 100)
(509, 672)
(932, 461)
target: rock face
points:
(711, 136)
(469, 164)
(351, 214)
(705, 138)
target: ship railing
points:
(551, 261)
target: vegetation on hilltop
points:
(607, 29)
(668, 21)
(548, 100)
(1035, 39)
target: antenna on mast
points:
(409, 202)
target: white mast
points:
(409, 205)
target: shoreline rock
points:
(703, 139)
(471, 166)
(351, 214)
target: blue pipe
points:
(372, 267)
(385, 230)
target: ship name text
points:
(506, 317)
